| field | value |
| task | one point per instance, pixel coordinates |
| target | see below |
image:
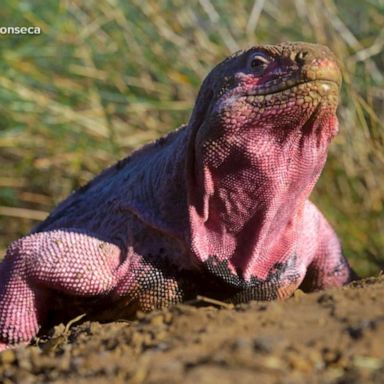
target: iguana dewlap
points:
(219, 207)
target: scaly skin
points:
(218, 207)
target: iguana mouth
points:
(312, 91)
(322, 84)
(301, 91)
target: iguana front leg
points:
(328, 267)
(38, 266)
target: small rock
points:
(8, 356)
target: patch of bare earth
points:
(335, 336)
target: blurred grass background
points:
(105, 77)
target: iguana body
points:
(218, 207)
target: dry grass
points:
(107, 76)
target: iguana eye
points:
(258, 63)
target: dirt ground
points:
(334, 336)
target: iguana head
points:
(260, 132)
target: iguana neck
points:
(246, 196)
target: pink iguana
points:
(219, 207)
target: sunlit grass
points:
(105, 77)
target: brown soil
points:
(327, 337)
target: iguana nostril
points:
(300, 57)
